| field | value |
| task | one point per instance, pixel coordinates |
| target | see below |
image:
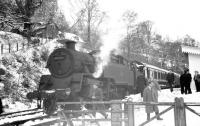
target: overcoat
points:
(150, 94)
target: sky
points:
(171, 18)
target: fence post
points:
(131, 118)
(179, 112)
(116, 116)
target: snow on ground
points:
(168, 117)
(10, 106)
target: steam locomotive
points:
(71, 77)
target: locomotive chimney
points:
(69, 40)
(70, 45)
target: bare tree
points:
(88, 22)
(145, 32)
(129, 18)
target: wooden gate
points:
(122, 112)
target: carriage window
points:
(165, 75)
(162, 76)
(159, 75)
(155, 75)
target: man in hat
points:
(141, 81)
(151, 95)
(197, 80)
(187, 78)
(170, 80)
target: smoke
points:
(110, 42)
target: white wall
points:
(194, 65)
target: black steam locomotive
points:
(71, 77)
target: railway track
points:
(21, 117)
(18, 113)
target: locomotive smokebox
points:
(64, 62)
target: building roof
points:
(191, 50)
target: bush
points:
(44, 54)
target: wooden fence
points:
(19, 46)
(123, 113)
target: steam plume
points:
(110, 42)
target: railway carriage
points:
(160, 75)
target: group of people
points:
(185, 82)
(149, 88)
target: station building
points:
(193, 57)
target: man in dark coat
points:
(170, 80)
(151, 95)
(182, 83)
(197, 80)
(141, 82)
(185, 80)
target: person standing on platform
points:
(182, 83)
(197, 80)
(141, 82)
(185, 80)
(151, 95)
(170, 80)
